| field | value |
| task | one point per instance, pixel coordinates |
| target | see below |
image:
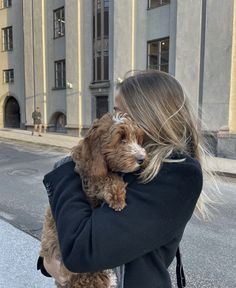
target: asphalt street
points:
(209, 249)
(23, 197)
(19, 253)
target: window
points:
(157, 3)
(8, 76)
(60, 74)
(106, 18)
(59, 22)
(7, 39)
(5, 4)
(100, 40)
(158, 55)
(101, 105)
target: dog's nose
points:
(140, 158)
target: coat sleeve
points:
(93, 240)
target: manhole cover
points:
(21, 172)
(4, 158)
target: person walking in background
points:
(36, 115)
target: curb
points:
(66, 150)
(34, 143)
(226, 174)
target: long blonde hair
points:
(157, 102)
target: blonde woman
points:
(141, 241)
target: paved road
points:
(23, 198)
(19, 252)
(209, 250)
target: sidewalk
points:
(223, 166)
(18, 261)
(49, 139)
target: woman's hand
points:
(53, 268)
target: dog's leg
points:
(49, 241)
(58, 285)
(113, 191)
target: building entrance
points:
(12, 113)
(61, 123)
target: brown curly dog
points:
(112, 144)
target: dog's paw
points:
(116, 199)
(117, 205)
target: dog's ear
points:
(139, 135)
(97, 165)
(91, 153)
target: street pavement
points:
(23, 197)
(216, 164)
(47, 139)
(18, 253)
(208, 248)
(22, 205)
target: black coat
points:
(144, 235)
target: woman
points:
(140, 241)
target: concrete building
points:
(12, 79)
(68, 55)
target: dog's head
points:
(113, 143)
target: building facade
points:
(66, 57)
(12, 79)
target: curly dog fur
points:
(112, 144)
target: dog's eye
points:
(116, 109)
(123, 140)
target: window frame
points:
(3, 4)
(101, 41)
(7, 39)
(159, 54)
(6, 75)
(158, 5)
(62, 79)
(59, 26)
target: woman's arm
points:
(93, 240)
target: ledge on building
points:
(58, 88)
(100, 84)
(77, 130)
(210, 141)
(226, 147)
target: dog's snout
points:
(140, 158)
(138, 152)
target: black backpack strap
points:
(181, 282)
